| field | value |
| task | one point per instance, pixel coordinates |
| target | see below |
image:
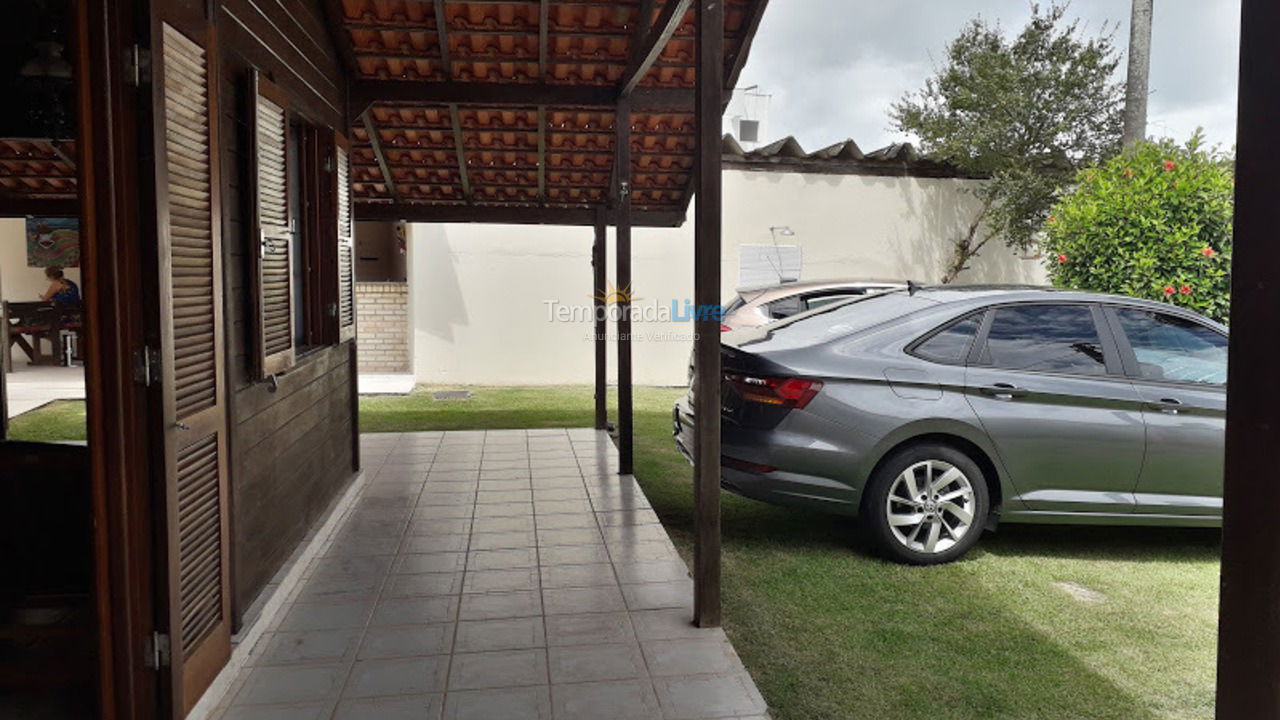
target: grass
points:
(58, 421)
(831, 632)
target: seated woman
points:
(61, 290)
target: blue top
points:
(69, 293)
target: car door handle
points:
(1003, 391)
(1168, 406)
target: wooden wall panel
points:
(292, 445)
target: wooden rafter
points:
(375, 141)
(544, 25)
(461, 151)
(646, 53)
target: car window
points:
(817, 301)
(951, 343)
(784, 307)
(1174, 349)
(1045, 338)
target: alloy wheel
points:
(930, 506)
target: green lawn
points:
(830, 632)
(58, 421)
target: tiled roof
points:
(841, 158)
(37, 169)
(523, 152)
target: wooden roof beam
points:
(646, 53)
(375, 141)
(461, 151)
(509, 215)
(366, 92)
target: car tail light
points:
(780, 392)
(724, 328)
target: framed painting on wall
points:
(53, 241)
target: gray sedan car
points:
(934, 413)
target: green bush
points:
(1154, 222)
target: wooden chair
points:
(41, 321)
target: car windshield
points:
(842, 318)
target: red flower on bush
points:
(1169, 165)
(1169, 290)
(1052, 218)
(1185, 290)
(1208, 252)
(1062, 259)
(1128, 172)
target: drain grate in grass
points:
(451, 395)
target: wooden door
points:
(191, 363)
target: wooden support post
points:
(1249, 615)
(599, 270)
(706, 294)
(622, 129)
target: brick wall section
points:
(382, 311)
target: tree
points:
(1136, 87)
(1154, 222)
(1028, 112)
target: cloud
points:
(834, 67)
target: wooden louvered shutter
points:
(273, 276)
(192, 365)
(346, 241)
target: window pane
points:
(1175, 349)
(1045, 338)
(818, 301)
(952, 343)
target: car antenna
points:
(912, 287)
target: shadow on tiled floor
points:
(494, 575)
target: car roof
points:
(979, 295)
(773, 292)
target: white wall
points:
(478, 293)
(19, 283)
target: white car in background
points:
(760, 306)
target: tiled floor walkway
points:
(496, 575)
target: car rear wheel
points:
(925, 505)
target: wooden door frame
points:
(118, 407)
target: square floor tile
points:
(421, 584)
(408, 707)
(569, 536)
(615, 700)
(586, 663)
(502, 540)
(708, 696)
(399, 676)
(493, 606)
(594, 574)
(589, 629)
(656, 596)
(502, 559)
(406, 641)
(691, 656)
(291, 684)
(434, 544)
(566, 521)
(520, 523)
(293, 711)
(560, 601)
(573, 555)
(501, 580)
(430, 563)
(327, 616)
(510, 634)
(669, 624)
(527, 703)
(503, 668)
(306, 646)
(415, 611)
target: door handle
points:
(1003, 391)
(1168, 406)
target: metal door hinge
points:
(332, 308)
(158, 650)
(137, 66)
(146, 366)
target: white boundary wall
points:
(482, 297)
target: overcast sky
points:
(833, 67)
